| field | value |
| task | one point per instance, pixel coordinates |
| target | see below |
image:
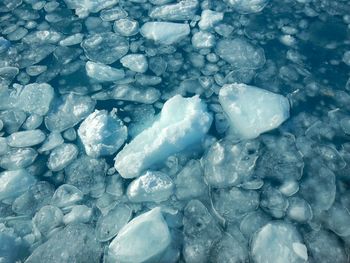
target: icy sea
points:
(165, 131)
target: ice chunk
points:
(66, 195)
(105, 48)
(78, 214)
(102, 133)
(240, 53)
(108, 226)
(102, 73)
(35, 98)
(87, 174)
(83, 8)
(227, 163)
(129, 93)
(135, 62)
(248, 6)
(209, 19)
(325, 247)
(273, 202)
(201, 232)
(337, 219)
(32, 200)
(48, 218)
(278, 242)
(232, 204)
(229, 249)
(14, 183)
(182, 122)
(165, 33)
(203, 40)
(72, 40)
(67, 111)
(26, 138)
(299, 210)
(53, 140)
(252, 111)
(150, 187)
(75, 243)
(62, 156)
(183, 10)
(190, 181)
(143, 238)
(114, 13)
(126, 27)
(252, 222)
(18, 158)
(9, 248)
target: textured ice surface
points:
(165, 33)
(149, 235)
(182, 123)
(277, 242)
(174, 131)
(252, 111)
(102, 133)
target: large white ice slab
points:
(143, 238)
(252, 111)
(182, 122)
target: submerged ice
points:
(163, 131)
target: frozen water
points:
(67, 111)
(182, 122)
(227, 163)
(165, 33)
(101, 72)
(278, 242)
(240, 53)
(150, 187)
(14, 183)
(252, 111)
(174, 131)
(149, 235)
(102, 133)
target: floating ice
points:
(183, 10)
(101, 72)
(227, 163)
(102, 133)
(135, 62)
(83, 8)
(209, 19)
(150, 187)
(165, 33)
(76, 242)
(248, 6)
(126, 27)
(26, 138)
(14, 183)
(62, 156)
(240, 53)
(278, 242)
(148, 234)
(18, 158)
(182, 122)
(35, 98)
(68, 111)
(252, 111)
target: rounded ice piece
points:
(144, 238)
(240, 53)
(126, 27)
(102, 133)
(102, 73)
(26, 138)
(252, 111)
(62, 156)
(165, 33)
(248, 6)
(105, 48)
(135, 62)
(150, 187)
(278, 242)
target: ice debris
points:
(182, 122)
(101, 72)
(149, 235)
(252, 111)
